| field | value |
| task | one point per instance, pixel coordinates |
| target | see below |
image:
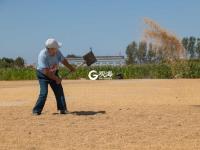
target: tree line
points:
(143, 52)
(137, 53)
(192, 46)
(19, 62)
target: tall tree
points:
(131, 52)
(142, 51)
(191, 46)
(19, 62)
(185, 43)
(151, 54)
(198, 48)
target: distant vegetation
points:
(12, 63)
(142, 63)
(180, 69)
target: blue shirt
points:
(47, 61)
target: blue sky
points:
(107, 26)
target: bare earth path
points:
(106, 115)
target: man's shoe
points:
(36, 113)
(64, 112)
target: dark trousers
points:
(57, 89)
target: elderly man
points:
(47, 73)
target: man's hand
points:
(58, 81)
(52, 75)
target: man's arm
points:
(66, 63)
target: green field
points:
(180, 69)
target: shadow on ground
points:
(87, 113)
(84, 113)
(197, 106)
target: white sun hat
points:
(52, 43)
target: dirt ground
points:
(106, 115)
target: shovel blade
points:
(89, 58)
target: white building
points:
(101, 60)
